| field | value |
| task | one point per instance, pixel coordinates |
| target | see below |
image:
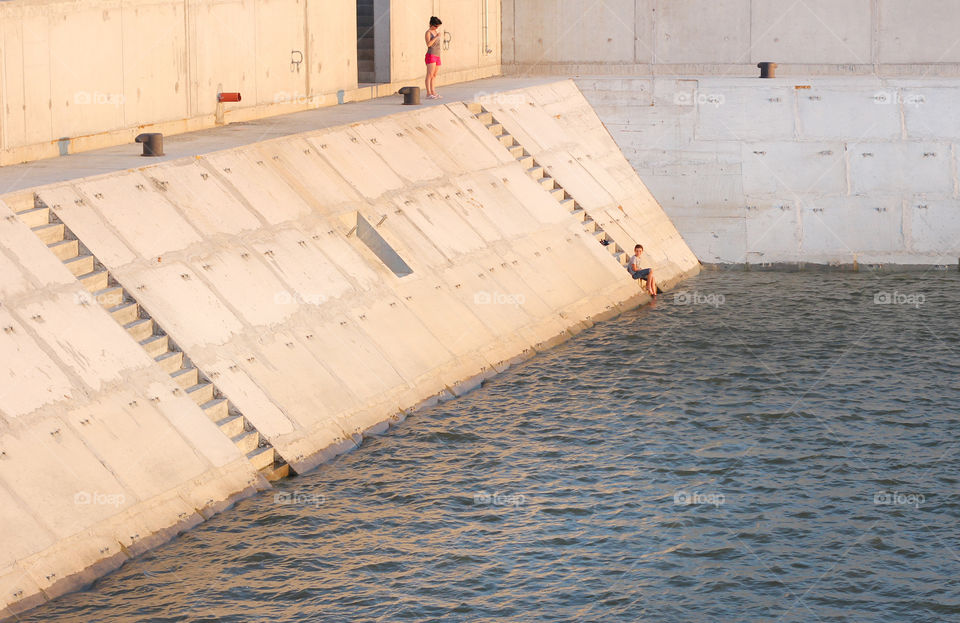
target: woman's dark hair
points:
(435, 21)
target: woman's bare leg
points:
(433, 78)
(431, 72)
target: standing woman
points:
(432, 59)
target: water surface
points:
(754, 447)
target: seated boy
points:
(633, 266)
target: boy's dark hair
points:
(435, 21)
(639, 246)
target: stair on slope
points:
(103, 290)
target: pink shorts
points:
(432, 58)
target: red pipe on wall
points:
(228, 97)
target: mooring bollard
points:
(152, 143)
(411, 95)
(767, 70)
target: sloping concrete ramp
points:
(324, 283)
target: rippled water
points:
(757, 447)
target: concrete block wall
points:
(889, 37)
(817, 169)
(101, 455)
(76, 76)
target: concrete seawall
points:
(323, 284)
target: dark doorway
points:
(373, 41)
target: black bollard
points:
(767, 70)
(152, 143)
(411, 95)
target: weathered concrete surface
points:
(729, 37)
(252, 262)
(561, 130)
(101, 454)
(796, 169)
(158, 66)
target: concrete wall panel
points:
(812, 31)
(934, 225)
(931, 113)
(743, 114)
(700, 31)
(886, 168)
(901, 23)
(790, 170)
(825, 114)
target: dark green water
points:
(754, 447)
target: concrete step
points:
(140, 329)
(123, 313)
(365, 66)
(507, 140)
(95, 281)
(20, 201)
(366, 43)
(201, 393)
(486, 118)
(525, 161)
(548, 182)
(536, 172)
(109, 298)
(216, 409)
(621, 257)
(277, 471)
(170, 361)
(247, 441)
(569, 204)
(559, 194)
(232, 425)
(34, 217)
(365, 54)
(263, 457)
(366, 77)
(156, 345)
(579, 214)
(65, 249)
(186, 377)
(600, 235)
(589, 225)
(495, 128)
(49, 233)
(474, 107)
(79, 265)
